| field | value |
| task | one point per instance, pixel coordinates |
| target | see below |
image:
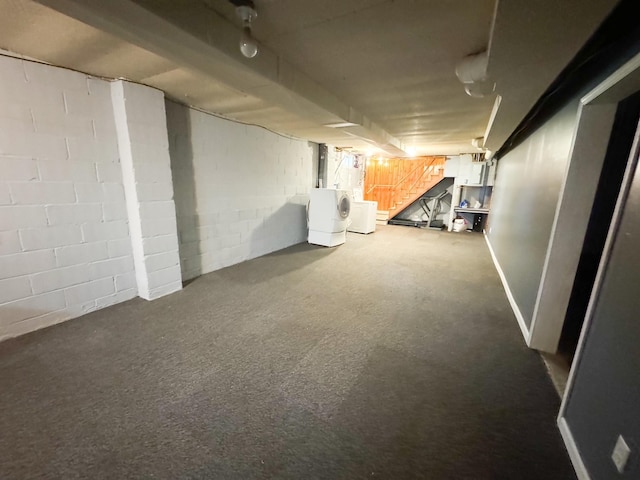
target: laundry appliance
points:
(363, 216)
(328, 215)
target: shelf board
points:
(470, 210)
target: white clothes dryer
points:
(328, 214)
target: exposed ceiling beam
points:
(211, 48)
(531, 43)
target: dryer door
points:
(344, 206)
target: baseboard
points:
(507, 290)
(572, 448)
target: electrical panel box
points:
(451, 167)
(470, 173)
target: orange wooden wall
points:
(386, 179)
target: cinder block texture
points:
(141, 128)
(240, 191)
(88, 171)
(64, 240)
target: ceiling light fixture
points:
(472, 72)
(479, 89)
(341, 125)
(478, 142)
(247, 13)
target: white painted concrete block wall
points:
(144, 151)
(64, 238)
(240, 191)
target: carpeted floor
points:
(393, 356)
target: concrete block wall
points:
(144, 151)
(64, 237)
(240, 191)
(87, 211)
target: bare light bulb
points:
(248, 44)
(480, 89)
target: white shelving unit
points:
(473, 181)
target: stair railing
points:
(394, 194)
(427, 170)
(377, 185)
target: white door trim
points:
(624, 82)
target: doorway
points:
(604, 135)
(609, 184)
(598, 405)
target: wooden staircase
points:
(382, 217)
(398, 182)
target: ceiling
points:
(386, 66)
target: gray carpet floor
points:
(393, 356)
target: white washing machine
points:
(363, 216)
(328, 216)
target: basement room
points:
(357, 239)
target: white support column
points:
(146, 171)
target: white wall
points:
(240, 191)
(146, 171)
(348, 171)
(64, 237)
(66, 218)
(333, 166)
(523, 207)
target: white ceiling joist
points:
(213, 51)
